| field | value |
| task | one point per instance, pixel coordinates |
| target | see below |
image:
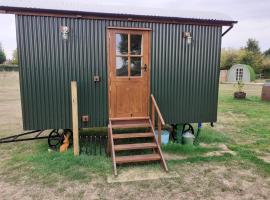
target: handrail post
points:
(153, 113)
(159, 131)
(161, 122)
(75, 126)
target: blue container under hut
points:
(165, 135)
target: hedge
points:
(8, 68)
(266, 73)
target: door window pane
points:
(135, 44)
(121, 43)
(121, 66)
(135, 66)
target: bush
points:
(251, 58)
(229, 57)
(266, 73)
(9, 67)
(2, 56)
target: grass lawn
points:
(232, 160)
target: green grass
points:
(246, 130)
(49, 167)
(210, 135)
(252, 157)
(253, 135)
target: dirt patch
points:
(227, 121)
(251, 89)
(223, 150)
(139, 174)
(10, 105)
(265, 157)
(171, 156)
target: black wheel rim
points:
(54, 139)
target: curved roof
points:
(88, 8)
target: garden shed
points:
(241, 72)
(129, 67)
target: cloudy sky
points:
(253, 18)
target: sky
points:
(253, 18)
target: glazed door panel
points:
(129, 72)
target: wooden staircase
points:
(143, 141)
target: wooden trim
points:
(75, 125)
(113, 16)
(129, 28)
(127, 118)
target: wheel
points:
(55, 138)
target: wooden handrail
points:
(161, 121)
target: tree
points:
(2, 55)
(267, 52)
(251, 58)
(15, 57)
(229, 57)
(266, 63)
(253, 46)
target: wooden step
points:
(134, 146)
(130, 123)
(129, 118)
(132, 135)
(137, 158)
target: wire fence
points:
(93, 145)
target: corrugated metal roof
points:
(84, 6)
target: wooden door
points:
(128, 63)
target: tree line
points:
(3, 57)
(250, 55)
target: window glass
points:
(121, 44)
(135, 66)
(135, 44)
(121, 66)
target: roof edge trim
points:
(129, 17)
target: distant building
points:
(223, 76)
(240, 72)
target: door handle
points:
(145, 67)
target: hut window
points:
(239, 74)
(128, 51)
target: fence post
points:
(75, 126)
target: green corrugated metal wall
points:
(184, 78)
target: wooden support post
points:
(159, 131)
(75, 126)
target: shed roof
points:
(84, 9)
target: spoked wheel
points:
(56, 138)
